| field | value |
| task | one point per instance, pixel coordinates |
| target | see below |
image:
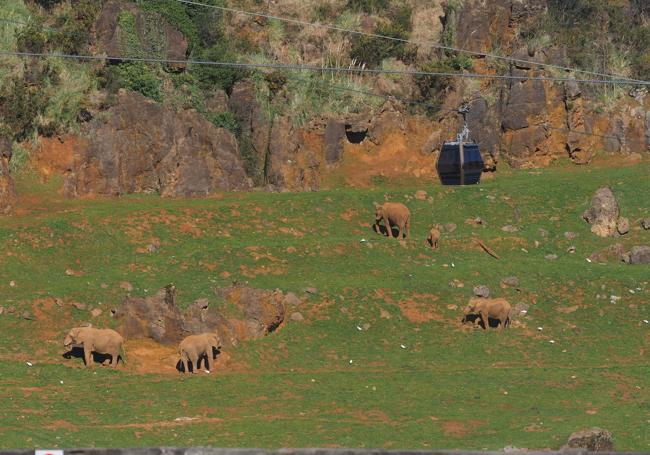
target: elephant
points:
(101, 341)
(194, 347)
(393, 213)
(489, 308)
(434, 237)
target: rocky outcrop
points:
(139, 146)
(7, 190)
(615, 251)
(638, 255)
(603, 214)
(290, 163)
(112, 39)
(240, 313)
(334, 137)
(593, 439)
(484, 125)
(157, 317)
(255, 127)
(263, 311)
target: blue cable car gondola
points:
(460, 161)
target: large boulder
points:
(593, 439)
(157, 317)
(603, 214)
(615, 251)
(139, 146)
(239, 313)
(7, 190)
(638, 255)
(113, 40)
(263, 311)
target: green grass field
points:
(322, 381)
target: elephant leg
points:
(184, 364)
(389, 230)
(408, 228)
(88, 356)
(114, 358)
(486, 321)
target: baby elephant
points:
(195, 347)
(489, 308)
(393, 214)
(434, 237)
(101, 341)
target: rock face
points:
(290, 164)
(334, 137)
(615, 251)
(638, 255)
(157, 317)
(263, 310)
(252, 313)
(623, 226)
(7, 190)
(593, 439)
(277, 155)
(254, 124)
(603, 214)
(144, 147)
(111, 37)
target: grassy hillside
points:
(412, 377)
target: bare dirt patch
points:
(419, 312)
(460, 429)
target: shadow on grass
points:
(381, 229)
(78, 353)
(190, 366)
(474, 319)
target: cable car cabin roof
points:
(456, 169)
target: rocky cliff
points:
(181, 130)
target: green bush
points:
(368, 6)
(225, 120)
(432, 88)
(136, 76)
(372, 51)
(176, 14)
(222, 77)
(32, 37)
(20, 106)
(72, 33)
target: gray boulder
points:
(638, 255)
(593, 439)
(482, 291)
(603, 214)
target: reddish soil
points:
(393, 159)
(459, 429)
(419, 312)
(54, 156)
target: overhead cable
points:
(408, 41)
(321, 69)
